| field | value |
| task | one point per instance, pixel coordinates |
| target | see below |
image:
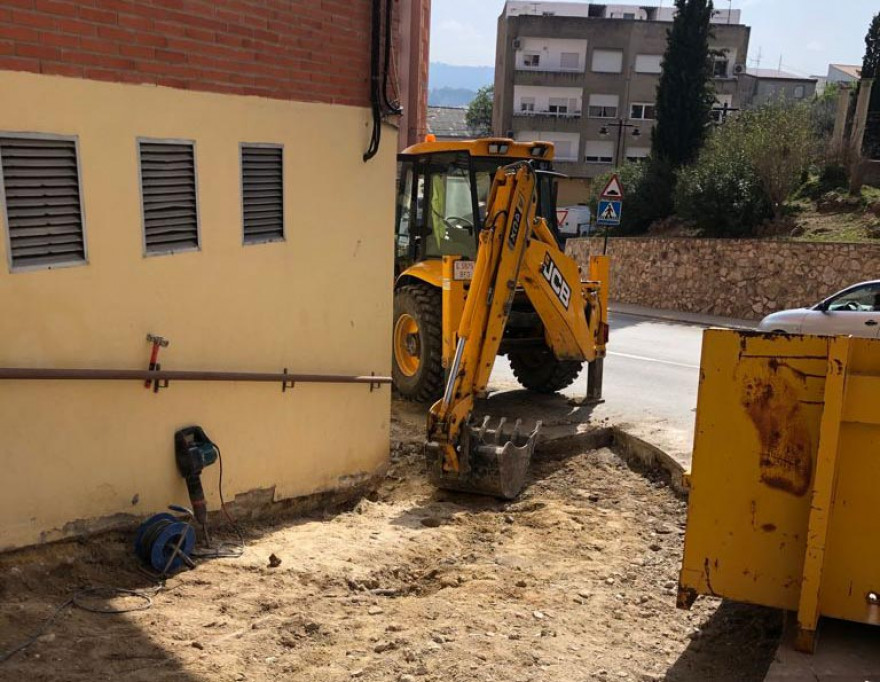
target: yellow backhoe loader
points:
(520, 295)
(442, 203)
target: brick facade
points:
(306, 50)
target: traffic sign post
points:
(610, 206)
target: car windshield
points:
(861, 299)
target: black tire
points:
(424, 304)
(540, 371)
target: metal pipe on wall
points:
(30, 373)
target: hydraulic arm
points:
(516, 250)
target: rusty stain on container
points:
(786, 445)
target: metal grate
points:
(44, 218)
(168, 191)
(262, 184)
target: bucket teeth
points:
(491, 461)
(484, 426)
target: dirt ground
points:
(573, 581)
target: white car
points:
(855, 311)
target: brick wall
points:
(307, 50)
(742, 278)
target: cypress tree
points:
(685, 94)
(871, 63)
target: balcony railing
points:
(549, 69)
(547, 114)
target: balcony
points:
(550, 114)
(551, 78)
(547, 121)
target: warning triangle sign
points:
(613, 190)
(608, 213)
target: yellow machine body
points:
(786, 466)
(517, 253)
(443, 199)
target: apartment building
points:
(584, 76)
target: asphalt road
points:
(651, 377)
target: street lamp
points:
(620, 124)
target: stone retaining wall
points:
(746, 278)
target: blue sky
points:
(807, 34)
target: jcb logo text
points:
(557, 281)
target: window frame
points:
(643, 106)
(82, 208)
(268, 240)
(527, 105)
(168, 140)
(721, 59)
(560, 109)
(529, 55)
(598, 159)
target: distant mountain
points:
(466, 77)
(450, 97)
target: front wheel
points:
(417, 367)
(540, 371)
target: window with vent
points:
(599, 151)
(607, 61)
(603, 106)
(169, 196)
(40, 194)
(262, 187)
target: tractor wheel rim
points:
(407, 349)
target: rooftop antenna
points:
(729, 10)
(779, 70)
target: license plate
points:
(463, 270)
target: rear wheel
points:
(540, 371)
(417, 367)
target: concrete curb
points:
(634, 450)
(682, 317)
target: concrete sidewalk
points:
(845, 652)
(677, 316)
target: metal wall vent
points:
(168, 191)
(41, 198)
(262, 186)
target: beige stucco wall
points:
(319, 302)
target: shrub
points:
(722, 194)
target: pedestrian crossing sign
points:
(609, 212)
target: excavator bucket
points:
(489, 462)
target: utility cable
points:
(79, 599)
(223, 550)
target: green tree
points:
(685, 94)
(778, 139)
(871, 63)
(479, 112)
(747, 170)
